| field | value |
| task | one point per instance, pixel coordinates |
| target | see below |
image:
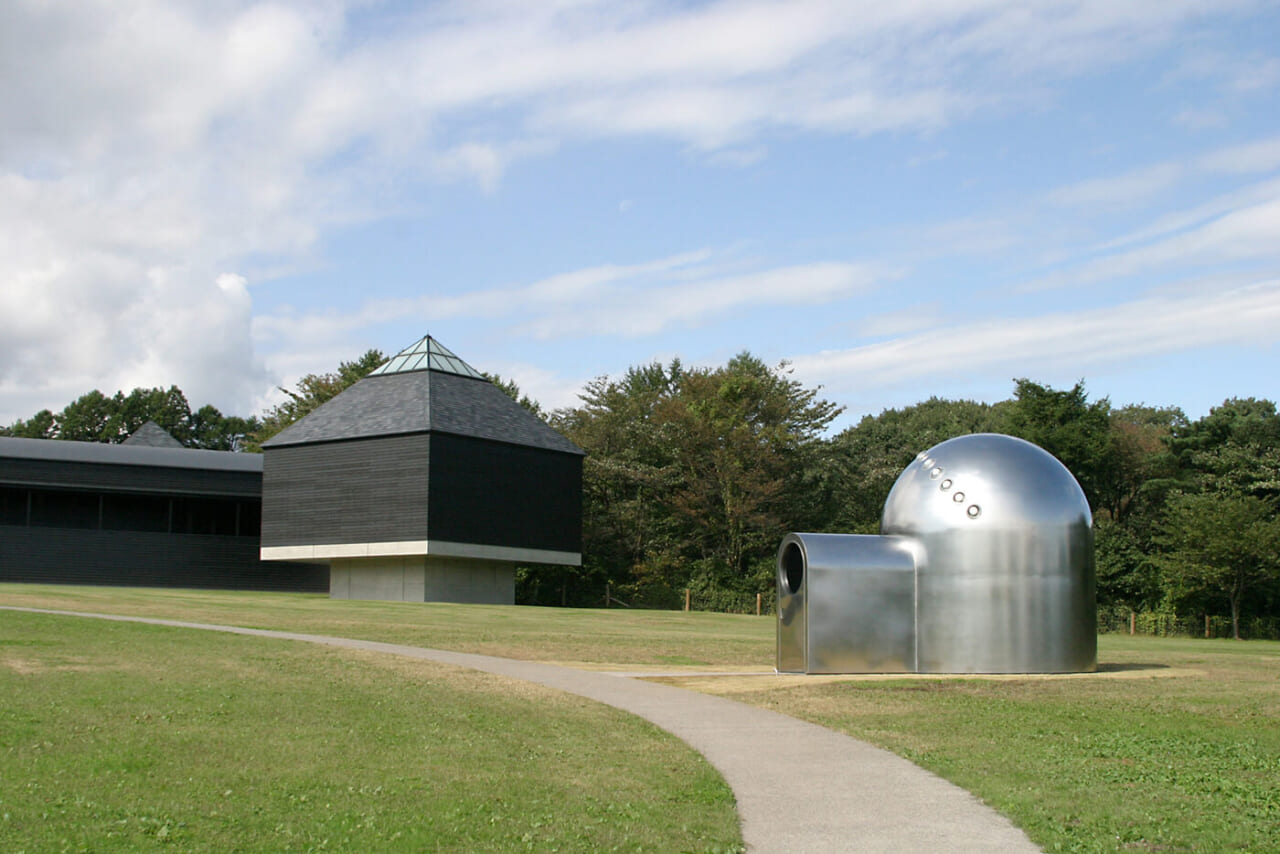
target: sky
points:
(901, 199)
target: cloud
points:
(1249, 233)
(1077, 342)
(640, 311)
(150, 148)
(631, 300)
(1128, 189)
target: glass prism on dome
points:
(427, 354)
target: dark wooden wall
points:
(354, 491)
(425, 486)
(75, 522)
(505, 495)
(142, 559)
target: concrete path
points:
(799, 787)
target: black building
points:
(145, 513)
(424, 481)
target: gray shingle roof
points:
(423, 401)
(128, 455)
(152, 435)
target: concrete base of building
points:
(423, 578)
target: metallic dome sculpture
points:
(984, 565)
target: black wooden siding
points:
(357, 491)
(505, 495)
(141, 559)
(71, 521)
(131, 478)
(423, 486)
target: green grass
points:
(1174, 746)
(127, 737)
(616, 636)
(1181, 754)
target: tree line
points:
(693, 476)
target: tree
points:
(213, 431)
(870, 456)
(511, 390)
(692, 476)
(42, 425)
(1234, 449)
(1221, 545)
(738, 434)
(627, 533)
(308, 393)
(94, 417)
(1140, 456)
(1068, 426)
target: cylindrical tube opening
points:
(793, 567)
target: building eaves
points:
(128, 455)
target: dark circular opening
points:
(793, 567)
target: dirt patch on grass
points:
(33, 667)
(750, 681)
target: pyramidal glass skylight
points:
(427, 354)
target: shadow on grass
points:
(1128, 666)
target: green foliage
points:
(1233, 449)
(1068, 426)
(308, 393)
(692, 476)
(1127, 575)
(94, 417)
(870, 456)
(1219, 545)
(511, 390)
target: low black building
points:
(424, 481)
(145, 513)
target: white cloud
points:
(1078, 342)
(635, 312)
(1244, 234)
(1259, 156)
(150, 147)
(1200, 119)
(1127, 189)
(679, 291)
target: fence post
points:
(1133, 622)
(687, 596)
(607, 594)
(758, 597)
(1206, 625)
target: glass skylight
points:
(427, 354)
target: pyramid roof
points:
(424, 388)
(152, 435)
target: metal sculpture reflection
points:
(984, 565)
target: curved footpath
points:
(799, 787)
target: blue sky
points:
(902, 200)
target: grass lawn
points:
(618, 636)
(1173, 746)
(126, 737)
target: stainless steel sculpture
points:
(984, 565)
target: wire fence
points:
(1159, 624)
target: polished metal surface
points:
(991, 536)
(845, 604)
